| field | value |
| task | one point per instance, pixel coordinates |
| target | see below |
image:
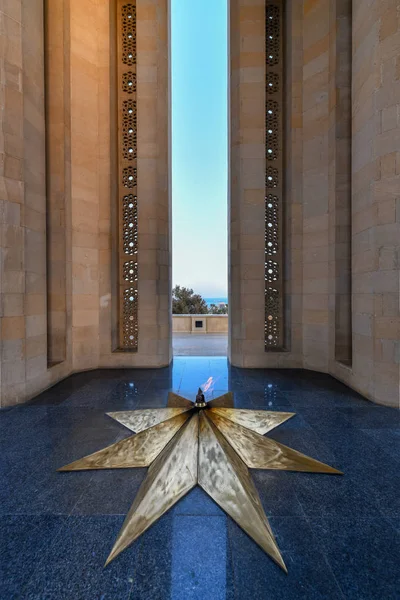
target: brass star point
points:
(210, 444)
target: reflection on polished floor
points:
(340, 537)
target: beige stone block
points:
(13, 282)
(13, 305)
(387, 211)
(36, 346)
(12, 373)
(35, 325)
(13, 328)
(387, 328)
(389, 22)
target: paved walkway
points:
(205, 344)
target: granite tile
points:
(73, 565)
(256, 576)
(23, 541)
(363, 555)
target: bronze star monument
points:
(206, 443)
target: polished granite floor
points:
(339, 536)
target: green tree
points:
(215, 309)
(186, 302)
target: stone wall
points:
(72, 296)
(75, 305)
(375, 199)
(375, 229)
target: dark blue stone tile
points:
(58, 393)
(269, 398)
(305, 441)
(110, 492)
(49, 492)
(324, 399)
(73, 566)
(368, 418)
(18, 422)
(258, 577)
(395, 523)
(388, 440)
(277, 490)
(326, 419)
(95, 394)
(23, 541)
(152, 575)
(376, 472)
(363, 554)
(72, 420)
(334, 496)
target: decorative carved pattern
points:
(129, 129)
(273, 174)
(129, 177)
(272, 125)
(129, 225)
(127, 165)
(130, 318)
(272, 83)
(128, 14)
(272, 303)
(272, 33)
(271, 271)
(130, 271)
(271, 225)
(271, 178)
(129, 82)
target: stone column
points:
(247, 189)
(376, 204)
(247, 184)
(154, 219)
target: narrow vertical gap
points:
(55, 181)
(343, 192)
(199, 105)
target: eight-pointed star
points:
(209, 444)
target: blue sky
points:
(199, 145)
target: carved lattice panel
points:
(128, 176)
(129, 82)
(129, 129)
(129, 225)
(271, 225)
(273, 173)
(128, 31)
(130, 318)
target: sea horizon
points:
(216, 300)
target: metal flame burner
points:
(200, 400)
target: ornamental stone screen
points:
(273, 174)
(127, 169)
